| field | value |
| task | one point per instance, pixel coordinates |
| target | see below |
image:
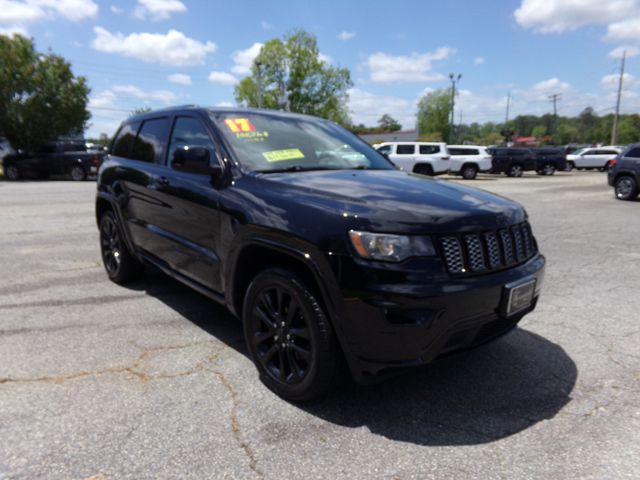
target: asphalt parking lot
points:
(153, 381)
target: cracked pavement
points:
(153, 380)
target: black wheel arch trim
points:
(115, 207)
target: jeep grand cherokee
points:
(330, 256)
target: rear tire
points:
(570, 166)
(289, 337)
(548, 169)
(12, 173)
(77, 173)
(423, 169)
(515, 170)
(469, 172)
(626, 188)
(121, 266)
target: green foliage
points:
(434, 110)
(40, 98)
(103, 139)
(293, 77)
(539, 131)
(389, 124)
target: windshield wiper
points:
(293, 168)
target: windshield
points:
(272, 143)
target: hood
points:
(392, 200)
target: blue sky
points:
(162, 52)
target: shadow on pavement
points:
(473, 397)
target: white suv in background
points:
(468, 160)
(427, 158)
(595, 157)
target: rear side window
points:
(463, 151)
(151, 141)
(516, 152)
(429, 149)
(123, 143)
(189, 132)
(404, 149)
(608, 152)
(74, 147)
(633, 153)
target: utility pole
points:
(554, 98)
(259, 82)
(454, 78)
(506, 118)
(614, 130)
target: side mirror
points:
(194, 160)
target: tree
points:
(290, 74)
(433, 113)
(539, 131)
(388, 123)
(40, 98)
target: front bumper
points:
(391, 326)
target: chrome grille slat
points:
(479, 252)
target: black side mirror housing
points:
(194, 160)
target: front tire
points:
(12, 173)
(469, 172)
(626, 188)
(121, 266)
(570, 166)
(548, 169)
(289, 337)
(77, 173)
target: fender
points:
(108, 196)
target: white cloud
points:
(13, 30)
(367, 108)
(224, 104)
(610, 82)
(478, 60)
(552, 85)
(158, 9)
(27, 11)
(624, 30)
(617, 52)
(172, 48)
(116, 10)
(152, 96)
(558, 16)
(345, 35)
(179, 78)
(324, 58)
(406, 68)
(266, 25)
(223, 78)
(243, 59)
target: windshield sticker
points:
(281, 155)
(252, 136)
(237, 125)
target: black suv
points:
(550, 160)
(624, 173)
(330, 256)
(512, 161)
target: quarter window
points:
(385, 149)
(150, 143)
(123, 143)
(404, 149)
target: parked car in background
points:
(56, 158)
(426, 158)
(333, 262)
(468, 160)
(550, 160)
(5, 148)
(512, 161)
(624, 173)
(590, 158)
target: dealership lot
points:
(153, 381)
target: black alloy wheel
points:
(626, 188)
(515, 170)
(120, 265)
(12, 172)
(289, 337)
(77, 173)
(469, 172)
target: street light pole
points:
(259, 82)
(454, 78)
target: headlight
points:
(389, 247)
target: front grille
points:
(487, 251)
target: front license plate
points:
(520, 297)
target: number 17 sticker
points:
(238, 125)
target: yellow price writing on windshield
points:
(281, 155)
